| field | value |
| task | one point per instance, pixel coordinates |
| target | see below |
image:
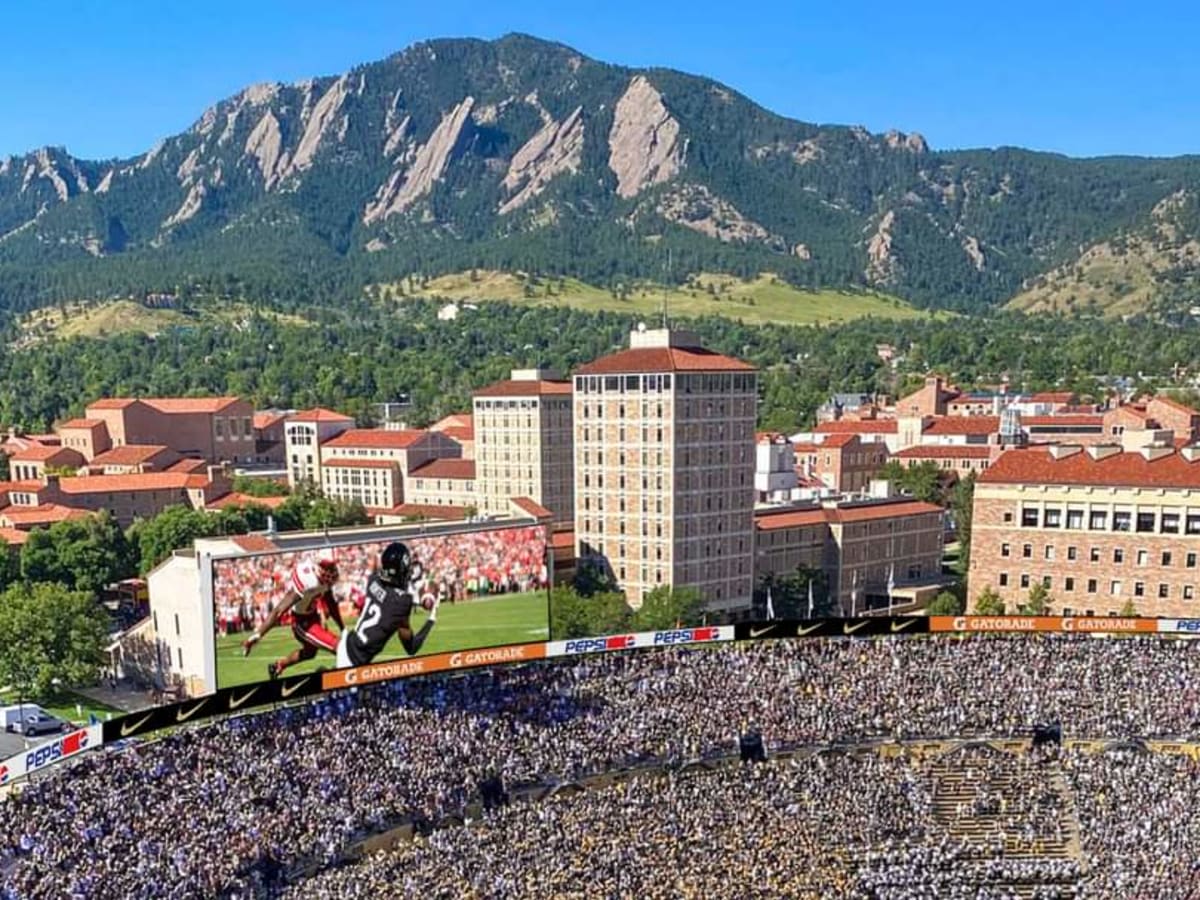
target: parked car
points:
(31, 720)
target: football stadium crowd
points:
(252, 801)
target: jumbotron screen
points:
(492, 588)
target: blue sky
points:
(109, 77)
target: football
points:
(427, 601)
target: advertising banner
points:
(1179, 626)
(1057, 624)
(864, 626)
(54, 751)
(669, 638)
(425, 665)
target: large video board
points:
(493, 587)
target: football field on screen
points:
(486, 622)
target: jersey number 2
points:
(371, 614)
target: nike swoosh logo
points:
(287, 691)
(235, 702)
(182, 716)
(801, 632)
(127, 730)
(759, 632)
(902, 625)
(850, 629)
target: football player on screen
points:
(387, 607)
(309, 598)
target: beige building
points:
(1102, 528)
(524, 443)
(33, 462)
(372, 465)
(217, 429)
(444, 482)
(664, 468)
(303, 434)
(876, 554)
(375, 483)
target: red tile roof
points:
(524, 388)
(44, 514)
(942, 451)
(149, 481)
(964, 425)
(864, 426)
(111, 403)
(265, 420)
(423, 511)
(1174, 404)
(454, 420)
(342, 463)
(14, 537)
(319, 414)
(530, 508)
(892, 509)
(770, 520)
(463, 469)
(1052, 397)
(254, 543)
(185, 405)
(460, 433)
(235, 498)
(129, 455)
(1037, 466)
(838, 440)
(90, 424)
(377, 437)
(187, 465)
(39, 453)
(1072, 420)
(663, 359)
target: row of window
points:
(703, 383)
(1049, 552)
(1142, 521)
(219, 428)
(1115, 586)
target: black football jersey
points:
(385, 609)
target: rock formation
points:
(555, 149)
(644, 144)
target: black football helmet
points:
(396, 564)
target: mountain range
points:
(524, 155)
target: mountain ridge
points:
(525, 154)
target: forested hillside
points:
(524, 155)
(350, 357)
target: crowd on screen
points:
(239, 803)
(453, 567)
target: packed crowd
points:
(453, 567)
(241, 802)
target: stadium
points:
(959, 764)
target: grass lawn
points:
(62, 706)
(507, 619)
(756, 301)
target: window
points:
(1008, 517)
(1164, 591)
(1094, 555)
(1188, 591)
(1091, 587)
(1139, 589)
(1166, 557)
(1052, 518)
(1190, 560)
(1029, 518)
(1169, 523)
(176, 624)
(1098, 521)
(1003, 579)
(1122, 521)
(1024, 581)
(1145, 522)
(1143, 558)
(1114, 587)
(1072, 553)
(1046, 582)
(1075, 518)
(1027, 551)
(1049, 553)
(1193, 524)
(179, 656)
(1068, 585)
(1005, 550)
(1118, 555)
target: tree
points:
(988, 603)
(4, 472)
(592, 577)
(962, 504)
(1129, 610)
(50, 633)
(10, 564)
(923, 481)
(945, 604)
(666, 607)
(260, 487)
(789, 594)
(83, 554)
(172, 529)
(1039, 601)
